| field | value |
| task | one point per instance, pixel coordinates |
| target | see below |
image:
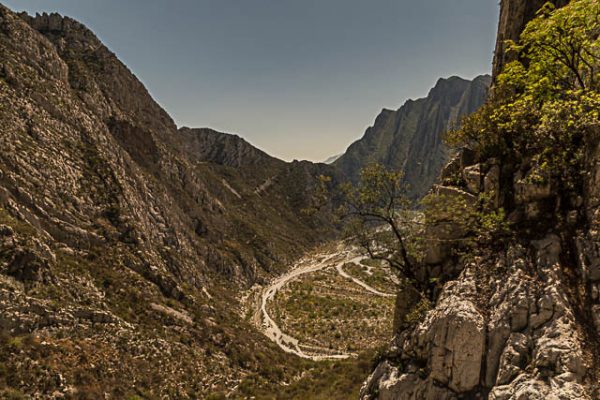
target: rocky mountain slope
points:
(267, 177)
(411, 138)
(224, 149)
(521, 320)
(123, 241)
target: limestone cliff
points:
(522, 319)
(411, 138)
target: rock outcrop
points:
(507, 328)
(411, 139)
(519, 320)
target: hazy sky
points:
(298, 78)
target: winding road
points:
(340, 270)
(307, 265)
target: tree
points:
(562, 46)
(380, 219)
(544, 107)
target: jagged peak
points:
(52, 22)
(483, 78)
(450, 79)
(443, 85)
(451, 87)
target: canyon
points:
(142, 260)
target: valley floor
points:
(330, 304)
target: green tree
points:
(545, 106)
(381, 220)
(562, 47)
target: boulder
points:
(28, 266)
(454, 338)
(472, 176)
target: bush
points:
(12, 394)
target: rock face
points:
(224, 149)
(508, 330)
(520, 321)
(411, 138)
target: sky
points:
(300, 79)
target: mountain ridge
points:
(126, 243)
(410, 139)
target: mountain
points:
(519, 317)
(224, 149)
(125, 241)
(137, 258)
(410, 139)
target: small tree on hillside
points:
(380, 219)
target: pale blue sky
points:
(298, 78)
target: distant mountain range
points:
(409, 139)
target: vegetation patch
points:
(328, 312)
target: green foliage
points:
(545, 104)
(379, 193)
(15, 343)
(380, 218)
(563, 48)
(463, 221)
(417, 314)
(449, 213)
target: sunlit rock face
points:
(521, 321)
